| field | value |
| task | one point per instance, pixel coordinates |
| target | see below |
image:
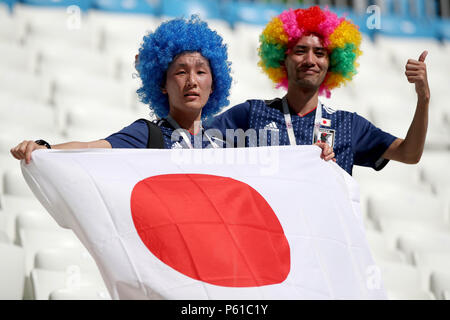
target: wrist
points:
(43, 143)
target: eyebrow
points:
(306, 47)
(197, 64)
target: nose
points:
(309, 58)
(191, 80)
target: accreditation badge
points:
(327, 136)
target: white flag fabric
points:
(249, 223)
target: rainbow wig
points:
(340, 37)
(171, 38)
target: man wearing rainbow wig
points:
(310, 52)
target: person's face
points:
(307, 63)
(188, 82)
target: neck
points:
(302, 100)
(187, 120)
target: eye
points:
(180, 72)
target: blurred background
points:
(67, 73)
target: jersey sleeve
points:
(236, 117)
(133, 136)
(369, 143)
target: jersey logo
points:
(327, 136)
(271, 126)
(176, 145)
(329, 110)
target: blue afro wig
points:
(171, 38)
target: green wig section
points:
(272, 54)
(342, 60)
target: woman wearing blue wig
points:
(185, 78)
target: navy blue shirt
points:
(355, 140)
(136, 136)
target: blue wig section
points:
(170, 39)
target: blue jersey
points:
(136, 136)
(355, 140)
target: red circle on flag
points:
(211, 228)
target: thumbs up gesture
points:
(416, 72)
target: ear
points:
(164, 90)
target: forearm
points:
(82, 145)
(414, 142)
(410, 149)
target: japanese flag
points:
(249, 223)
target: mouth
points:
(309, 71)
(191, 95)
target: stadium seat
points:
(436, 261)
(89, 292)
(204, 9)
(16, 204)
(407, 205)
(7, 226)
(58, 259)
(11, 272)
(33, 240)
(31, 86)
(433, 166)
(16, 110)
(4, 238)
(381, 249)
(14, 183)
(63, 62)
(410, 295)
(44, 282)
(403, 278)
(16, 57)
(135, 7)
(440, 284)
(73, 92)
(35, 219)
(415, 241)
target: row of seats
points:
(44, 93)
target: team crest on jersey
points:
(327, 136)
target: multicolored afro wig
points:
(170, 39)
(339, 36)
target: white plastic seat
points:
(17, 57)
(73, 92)
(14, 183)
(90, 292)
(432, 260)
(4, 238)
(36, 219)
(33, 240)
(59, 259)
(407, 205)
(16, 204)
(403, 278)
(423, 241)
(44, 282)
(395, 227)
(11, 272)
(381, 249)
(433, 167)
(440, 284)
(410, 295)
(59, 60)
(16, 110)
(25, 85)
(7, 226)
